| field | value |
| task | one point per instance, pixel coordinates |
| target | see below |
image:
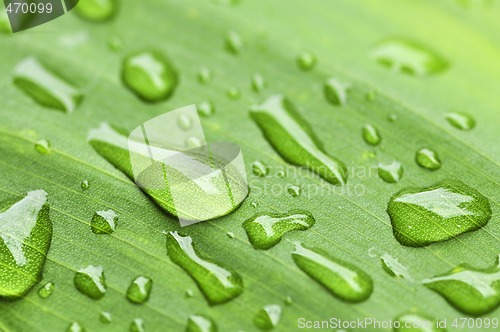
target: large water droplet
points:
(259, 168)
(45, 87)
(266, 230)
(25, 236)
(428, 159)
(139, 290)
(392, 266)
(268, 317)
(46, 290)
(137, 325)
(371, 135)
(96, 10)
(421, 216)
(104, 222)
(306, 61)
(105, 317)
(390, 173)
(75, 327)
(340, 278)
(412, 322)
(200, 323)
(43, 146)
(218, 284)
(336, 91)
(233, 42)
(473, 291)
(461, 121)
(90, 281)
(408, 57)
(294, 139)
(150, 75)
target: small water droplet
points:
(184, 122)
(266, 230)
(392, 117)
(340, 278)
(412, 322)
(104, 222)
(46, 290)
(4, 23)
(189, 293)
(428, 159)
(137, 325)
(259, 169)
(408, 57)
(233, 42)
(200, 323)
(230, 235)
(75, 327)
(371, 95)
(392, 266)
(461, 121)
(25, 236)
(115, 44)
(371, 135)
(85, 184)
(336, 91)
(45, 87)
(90, 281)
(218, 284)
(205, 108)
(96, 10)
(306, 61)
(205, 75)
(281, 174)
(233, 93)
(105, 317)
(268, 317)
(258, 83)
(288, 300)
(139, 290)
(193, 142)
(149, 75)
(295, 191)
(390, 173)
(421, 216)
(43, 146)
(254, 204)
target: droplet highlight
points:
(412, 322)
(259, 169)
(90, 281)
(200, 323)
(43, 146)
(336, 92)
(96, 10)
(205, 109)
(46, 290)
(139, 290)
(137, 325)
(390, 173)
(105, 317)
(461, 121)
(371, 135)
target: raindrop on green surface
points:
(75, 327)
(336, 91)
(294, 190)
(115, 44)
(412, 322)
(392, 117)
(258, 83)
(266, 230)
(43, 146)
(428, 159)
(96, 10)
(294, 140)
(281, 174)
(149, 75)
(139, 290)
(137, 325)
(306, 61)
(233, 93)
(472, 291)
(105, 317)
(259, 169)
(46, 290)
(205, 108)
(288, 300)
(45, 87)
(85, 184)
(233, 42)
(25, 236)
(461, 121)
(421, 216)
(267, 317)
(371, 135)
(200, 323)
(218, 284)
(254, 204)
(189, 293)
(205, 75)
(184, 122)
(104, 222)
(392, 266)
(390, 173)
(371, 95)
(90, 281)
(340, 278)
(230, 235)
(408, 57)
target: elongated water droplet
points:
(85, 184)
(259, 169)
(139, 290)
(149, 75)
(268, 317)
(46, 290)
(43, 146)
(184, 122)
(193, 142)
(306, 61)
(390, 173)
(392, 266)
(295, 191)
(218, 284)
(96, 10)
(189, 293)
(266, 230)
(412, 322)
(408, 57)
(421, 216)
(340, 278)
(336, 91)
(25, 236)
(473, 291)
(428, 159)
(205, 75)
(233, 42)
(200, 323)
(105, 317)
(461, 121)
(258, 83)
(233, 93)
(230, 235)
(75, 327)
(294, 139)
(104, 222)
(205, 108)
(137, 325)
(371, 135)
(90, 281)
(288, 300)
(45, 87)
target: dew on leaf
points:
(139, 290)
(230, 235)
(233, 42)
(371, 135)
(105, 317)
(75, 327)
(281, 174)
(370, 96)
(137, 325)
(104, 222)
(184, 122)
(233, 93)
(43, 146)
(268, 317)
(258, 83)
(97, 10)
(205, 75)
(306, 61)
(392, 117)
(46, 290)
(428, 159)
(390, 173)
(294, 190)
(205, 108)
(288, 300)
(85, 184)
(254, 204)
(189, 293)
(259, 169)
(115, 44)
(392, 266)
(200, 323)
(412, 322)
(90, 281)
(461, 121)
(336, 91)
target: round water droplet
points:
(149, 75)
(200, 323)
(96, 10)
(85, 184)
(104, 222)
(105, 317)
(258, 83)
(205, 109)
(336, 92)
(90, 281)
(46, 290)
(139, 290)
(461, 121)
(75, 327)
(43, 146)
(184, 122)
(371, 135)
(428, 159)
(233, 93)
(268, 317)
(390, 173)
(233, 42)
(205, 75)
(137, 325)
(306, 61)
(259, 169)
(295, 191)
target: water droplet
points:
(139, 290)
(371, 135)
(90, 281)
(259, 169)
(43, 146)
(96, 10)
(428, 159)
(392, 266)
(288, 300)
(336, 91)
(408, 57)
(104, 222)
(25, 236)
(46, 290)
(85, 184)
(200, 323)
(233, 42)
(230, 235)
(105, 317)
(75, 327)
(340, 278)
(233, 93)
(268, 317)
(281, 174)
(421, 216)
(137, 325)
(205, 109)
(115, 44)
(371, 95)
(294, 140)
(4, 23)
(473, 291)
(149, 75)
(45, 87)
(254, 204)
(306, 61)
(461, 121)
(258, 83)
(218, 284)
(189, 293)
(390, 173)
(295, 191)
(412, 322)
(392, 117)
(184, 122)
(266, 230)
(193, 142)
(205, 75)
